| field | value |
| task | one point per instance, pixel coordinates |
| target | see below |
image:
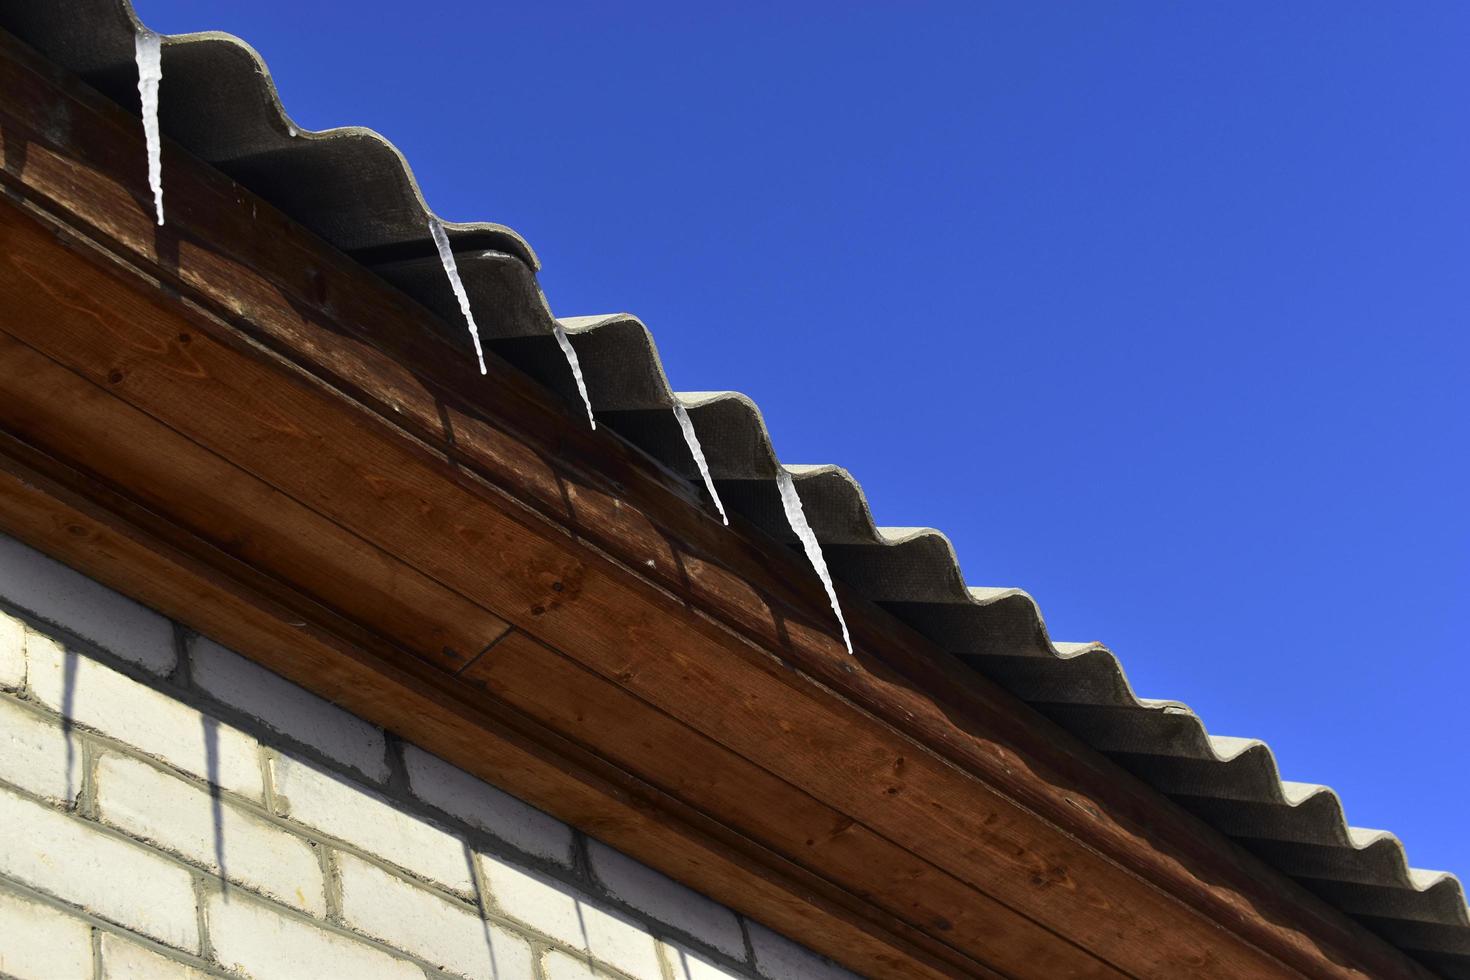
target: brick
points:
(34, 754)
(778, 958)
(365, 820)
(666, 900)
(558, 911)
(53, 592)
(556, 965)
(123, 960)
(291, 710)
(39, 941)
(685, 964)
(413, 919)
(12, 653)
(615, 940)
(101, 698)
(178, 816)
(253, 939)
(83, 866)
(481, 805)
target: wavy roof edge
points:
(355, 189)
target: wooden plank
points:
(57, 509)
(293, 434)
(554, 689)
(242, 259)
(255, 523)
(83, 424)
(122, 444)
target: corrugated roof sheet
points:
(353, 188)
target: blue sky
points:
(1158, 310)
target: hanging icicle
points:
(692, 441)
(446, 258)
(796, 517)
(148, 52)
(565, 343)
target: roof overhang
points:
(242, 427)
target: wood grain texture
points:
(342, 436)
(239, 514)
(564, 695)
(60, 510)
(404, 498)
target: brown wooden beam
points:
(101, 439)
(245, 429)
(69, 513)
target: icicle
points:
(692, 441)
(148, 52)
(446, 257)
(571, 355)
(791, 503)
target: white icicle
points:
(692, 441)
(148, 52)
(446, 258)
(796, 517)
(571, 355)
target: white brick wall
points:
(559, 966)
(331, 804)
(252, 938)
(665, 899)
(118, 880)
(12, 653)
(779, 958)
(57, 594)
(96, 696)
(37, 940)
(143, 836)
(486, 808)
(124, 960)
(448, 934)
(546, 905)
(685, 964)
(31, 746)
(289, 709)
(176, 816)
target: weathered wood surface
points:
(117, 543)
(234, 423)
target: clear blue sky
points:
(1158, 310)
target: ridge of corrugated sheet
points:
(355, 189)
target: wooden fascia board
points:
(250, 362)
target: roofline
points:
(263, 299)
